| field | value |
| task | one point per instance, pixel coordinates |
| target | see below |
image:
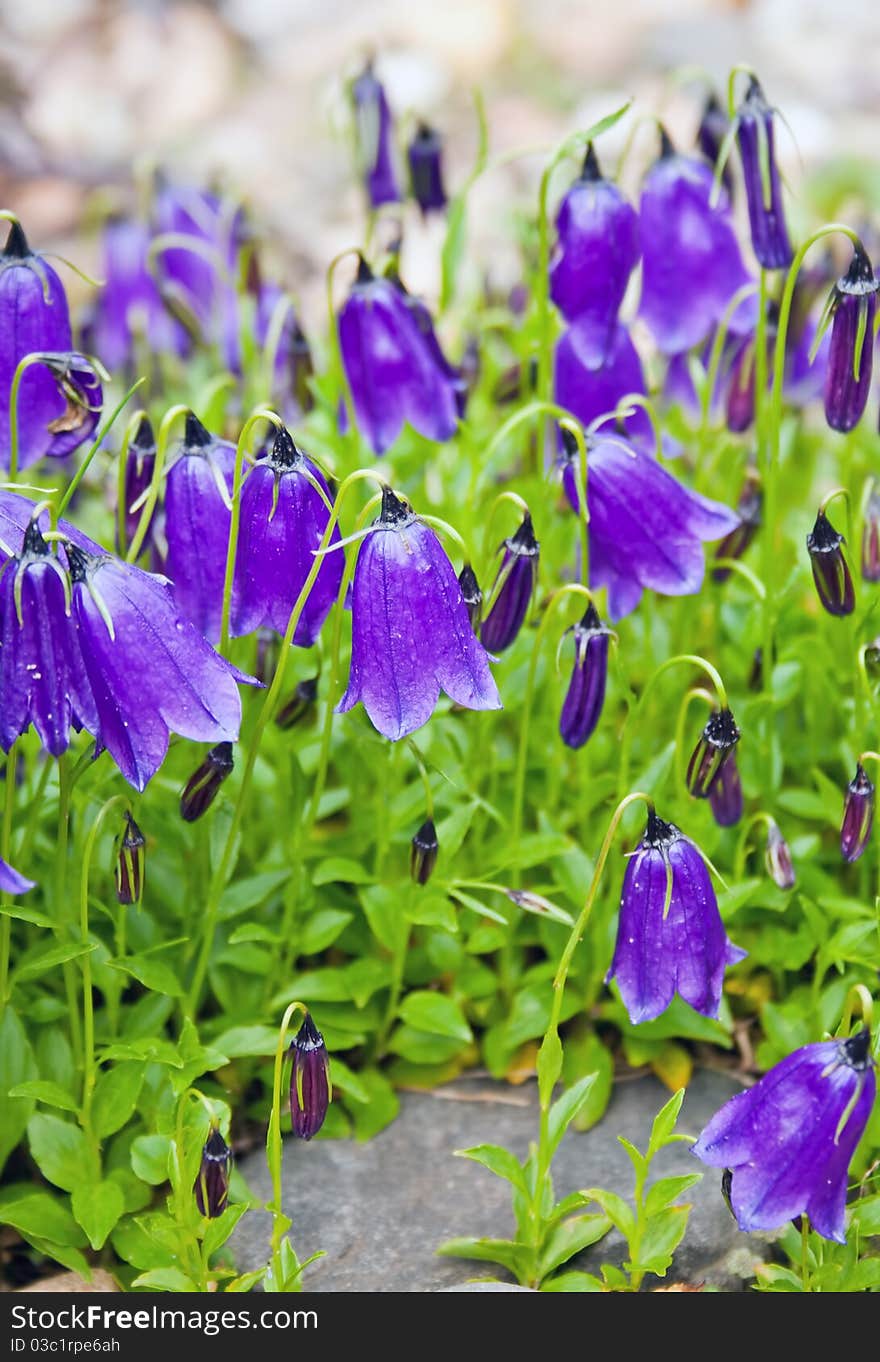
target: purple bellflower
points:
(646, 530)
(130, 311)
(375, 139)
(425, 323)
(858, 815)
(715, 748)
(871, 538)
(755, 135)
(392, 369)
(309, 1080)
(197, 519)
(411, 635)
(789, 1140)
(582, 706)
(691, 261)
(513, 590)
(211, 1188)
(713, 129)
(425, 157)
(670, 937)
(140, 463)
(78, 383)
(12, 881)
(283, 518)
(593, 372)
(726, 795)
(598, 248)
(831, 574)
(853, 307)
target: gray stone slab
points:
(380, 1209)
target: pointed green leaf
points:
(499, 1161)
(50, 1094)
(662, 1236)
(565, 1109)
(59, 1149)
(503, 1251)
(437, 1013)
(667, 1190)
(620, 1213)
(97, 1207)
(569, 1238)
(664, 1122)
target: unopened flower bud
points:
(473, 596)
(424, 849)
(309, 1080)
(211, 1187)
(831, 572)
(130, 863)
(716, 745)
(202, 786)
(858, 815)
(300, 706)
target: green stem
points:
(149, 507)
(103, 432)
(235, 517)
(23, 364)
(6, 899)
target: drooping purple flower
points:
(858, 815)
(12, 881)
(423, 851)
(151, 673)
(204, 784)
(755, 135)
(78, 381)
(309, 1080)
(646, 530)
(594, 372)
(33, 320)
(670, 937)
(597, 250)
(831, 573)
(513, 590)
(375, 137)
(283, 518)
(197, 520)
(715, 748)
(853, 306)
(140, 464)
(130, 860)
(391, 367)
(777, 858)
(711, 133)
(748, 509)
(211, 1189)
(789, 1140)
(425, 157)
(726, 795)
(129, 311)
(411, 636)
(425, 323)
(691, 261)
(871, 538)
(582, 706)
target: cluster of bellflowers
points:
(379, 156)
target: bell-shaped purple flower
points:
(726, 795)
(777, 858)
(831, 573)
(711, 133)
(755, 135)
(858, 815)
(853, 307)
(425, 157)
(582, 706)
(78, 381)
(283, 518)
(392, 369)
(197, 268)
(33, 320)
(715, 748)
(12, 881)
(594, 372)
(309, 1080)
(691, 260)
(140, 464)
(646, 530)
(871, 538)
(423, 852)
(151, 673)
(129, 311)
(197, 519)
(375, 137)
(789, 1140)
(597, 248)
(513, 590)
(748, 509)
(425, 323)
(411, 636)
(670, 937)
(211, 1189)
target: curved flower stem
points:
(537, 408)
(843, 494)
(149, 506)
(280, 1222)
(625, 408)
(716, 354)
(576, 430)
(859, 999)
(423, 773)
(696, 693)
(131, 426)
(742, 570)
(218, 879)
(686, 659)
(742, 845)
(283, 309)
(103, 432)
(235, 518)
(23, 365)
(6, 898)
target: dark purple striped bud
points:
(202, 786)
(309, 1080)
(830, 569)
(871, 539)
(777, 858)
(858, 815)
(140, 462)
(726, 795)
(513, 589)
(853, 306)
(211, 1187)
(130, 863)
(473, 596)
(749, 508)
(425, 156)
(582, 706)
(301, 705)
(715, 747)
(424, 849)
(755, 135)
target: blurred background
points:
(252, 93)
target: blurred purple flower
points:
(513, 590)
(593, 372)
(375, 137)
(197, 520)
(12, 881)
(853, 307)
(425, 157)
(858, 815)
(129, 308)
(140, 463)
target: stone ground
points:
(379, 1210)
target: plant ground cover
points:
(231, 867)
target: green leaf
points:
(70, 1258)
(17, 1065)
(430, 910)
(344, 1080)
(664, 1233)
(423, 1047)
(636, 1157)
(569, 1238)
(218, 1231)
(164, 1279)
(22, 914)
(503, 1251)
(50, 1094)
(59, 1150)
(38, 1213)
(341, 870)
(35, 966)
(666, 1190)
(322, 929)
(115, 1097)
(241, 1041)
(247, 1281)
(97, 1207)
(573, 1281)
(149, 1158)
(381, 1107)
(549, 1065)
(664, 1123)
(614, 1206)
(381, 905)
(250, 892)
(565, 1109)
(437, 1013)
(153, 973)
(499, 1161)
(591, 1056)
(151, 1048)
(866, 1215)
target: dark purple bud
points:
(425, 156)
(858, 815)
(473, 596)
(513, 589)
(715, 748)
(714, 125)
(423, 852)
(211, 1187)
(202, 786)
(140, 462)
(871, 539)
(755, 135)
(853, 305)
(777, 858)
(516, 382)
(830, 569)
(582, 706)
(749, 508)
(130, 862)
(726, 795)
(300, 706)
(375, 134)
(309, 1080)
